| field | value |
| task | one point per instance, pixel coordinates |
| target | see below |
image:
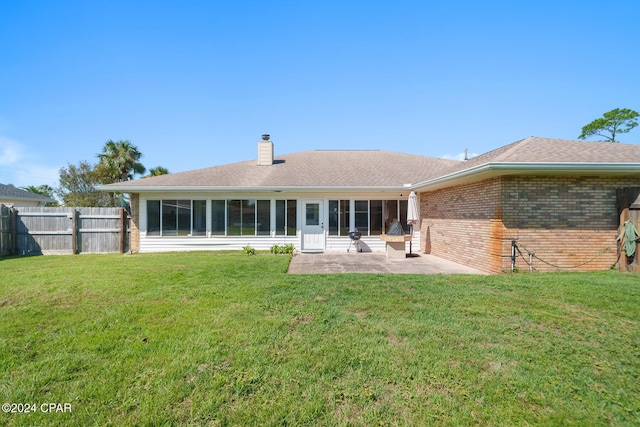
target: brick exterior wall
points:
(134, 231)
(463, 224)
(571, 223)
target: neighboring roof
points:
(376, 169)
(315, 169)
(9, 192)
(536, 155)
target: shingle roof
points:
(547, 150)
(376, 168)
(317, 168)
(13, 193)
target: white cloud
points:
(459, 156)
(21, 170)
(35, 174)
(9, 151)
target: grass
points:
(228, 339)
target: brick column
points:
(134, 231)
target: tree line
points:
(119, 161)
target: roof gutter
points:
(502, 168)
(141, 188)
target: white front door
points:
(313, 225)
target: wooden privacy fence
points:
(42, 230)
(5, 230)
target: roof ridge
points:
(515, 147)
(340, 149)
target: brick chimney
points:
(265, 151)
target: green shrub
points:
(288, 249)
(248, 250)
(284, 249)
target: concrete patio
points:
(374, 262)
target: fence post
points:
(13, 235)
(123, 229)
(74, 231)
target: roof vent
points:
(265, 151)
(466, 153)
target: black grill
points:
(355, 235)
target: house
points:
(10, 195)
(555, 198)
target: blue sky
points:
(195, 83)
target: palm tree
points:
(157, 171)
(43, 190)
(118, 162)
(121, 160)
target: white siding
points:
(167, 244)
(333, 243)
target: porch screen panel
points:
(183, 226)
(234, 217)
(334, 217)
(375, 217)
(338, 217)
(169, 217)
(292, 217)
(217, 217)
(263, 217)
(390, 213)
(199, 218)
(248, 218)
(153, 217)
(403, 215)
(344, 218)
(362, 216)
(281, 217)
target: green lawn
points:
(230, 339)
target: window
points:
(312, 214)
(395, 210)
(251, 217)
(169, 218)
(375, 217)
(218, 224)
(281, 217)
(403, 215)
(153, 217)
(334, 217)
(292, 218)
(371, 217)
(390, 213)
(234, 217)
(199, 219)
(362, 216)
(241, 217)
(285, 218)
(174, 217)
(263, 218)
(338, 217)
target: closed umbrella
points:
(413, 214)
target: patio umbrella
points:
(413, 214)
